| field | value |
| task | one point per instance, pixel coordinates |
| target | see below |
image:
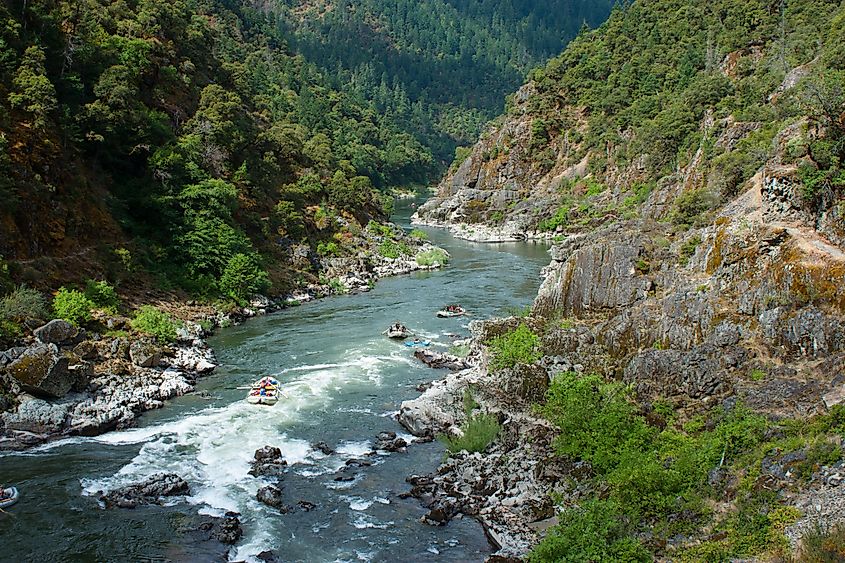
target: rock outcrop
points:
(150, 491)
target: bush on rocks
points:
(519, 346)
(659, 475)
(392, 249)
(20, 306)
(73, 306)
(156, 323)
(477, 432)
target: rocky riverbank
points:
(508, 486)
(62, 380)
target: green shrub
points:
(688, 249)
(516, 347)
(380, 230)
(72, 306)
(392, 249)
(478, 431)
(433, 257)
(461, 351)
(596, 420)
(418, 234)
(559, 219)
(243, 277)
(691, 206)
(103, 295)
(23, 304)
(9, 329)
(594, 187)
(155, 322)
(461, 154)
(330, 248)
(597, 531)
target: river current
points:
(343, 384)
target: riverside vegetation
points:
(676, 391)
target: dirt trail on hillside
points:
(749, 206)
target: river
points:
(343, 381)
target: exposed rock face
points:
(148, 492)
(56, 331)
(594, 275)
(507, 487)
(37, 416)
(745, 303)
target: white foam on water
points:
(344, 485)
(365, 555)
(355, 449)
(212, 449)
(365, 521)
(357, 503)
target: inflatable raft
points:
(10, 497)
(265, 391)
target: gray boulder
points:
(44, 372)
(144, 354)
(56, 331)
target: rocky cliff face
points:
(665, 283)
(698, 286)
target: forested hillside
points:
(179, 135)
(443, 67)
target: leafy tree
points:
(32, 90)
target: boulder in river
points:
(271, 496)
(323, 447)
(389, 442)
(147, 492)
(268, 462)
(437, 360)
(226, 530)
